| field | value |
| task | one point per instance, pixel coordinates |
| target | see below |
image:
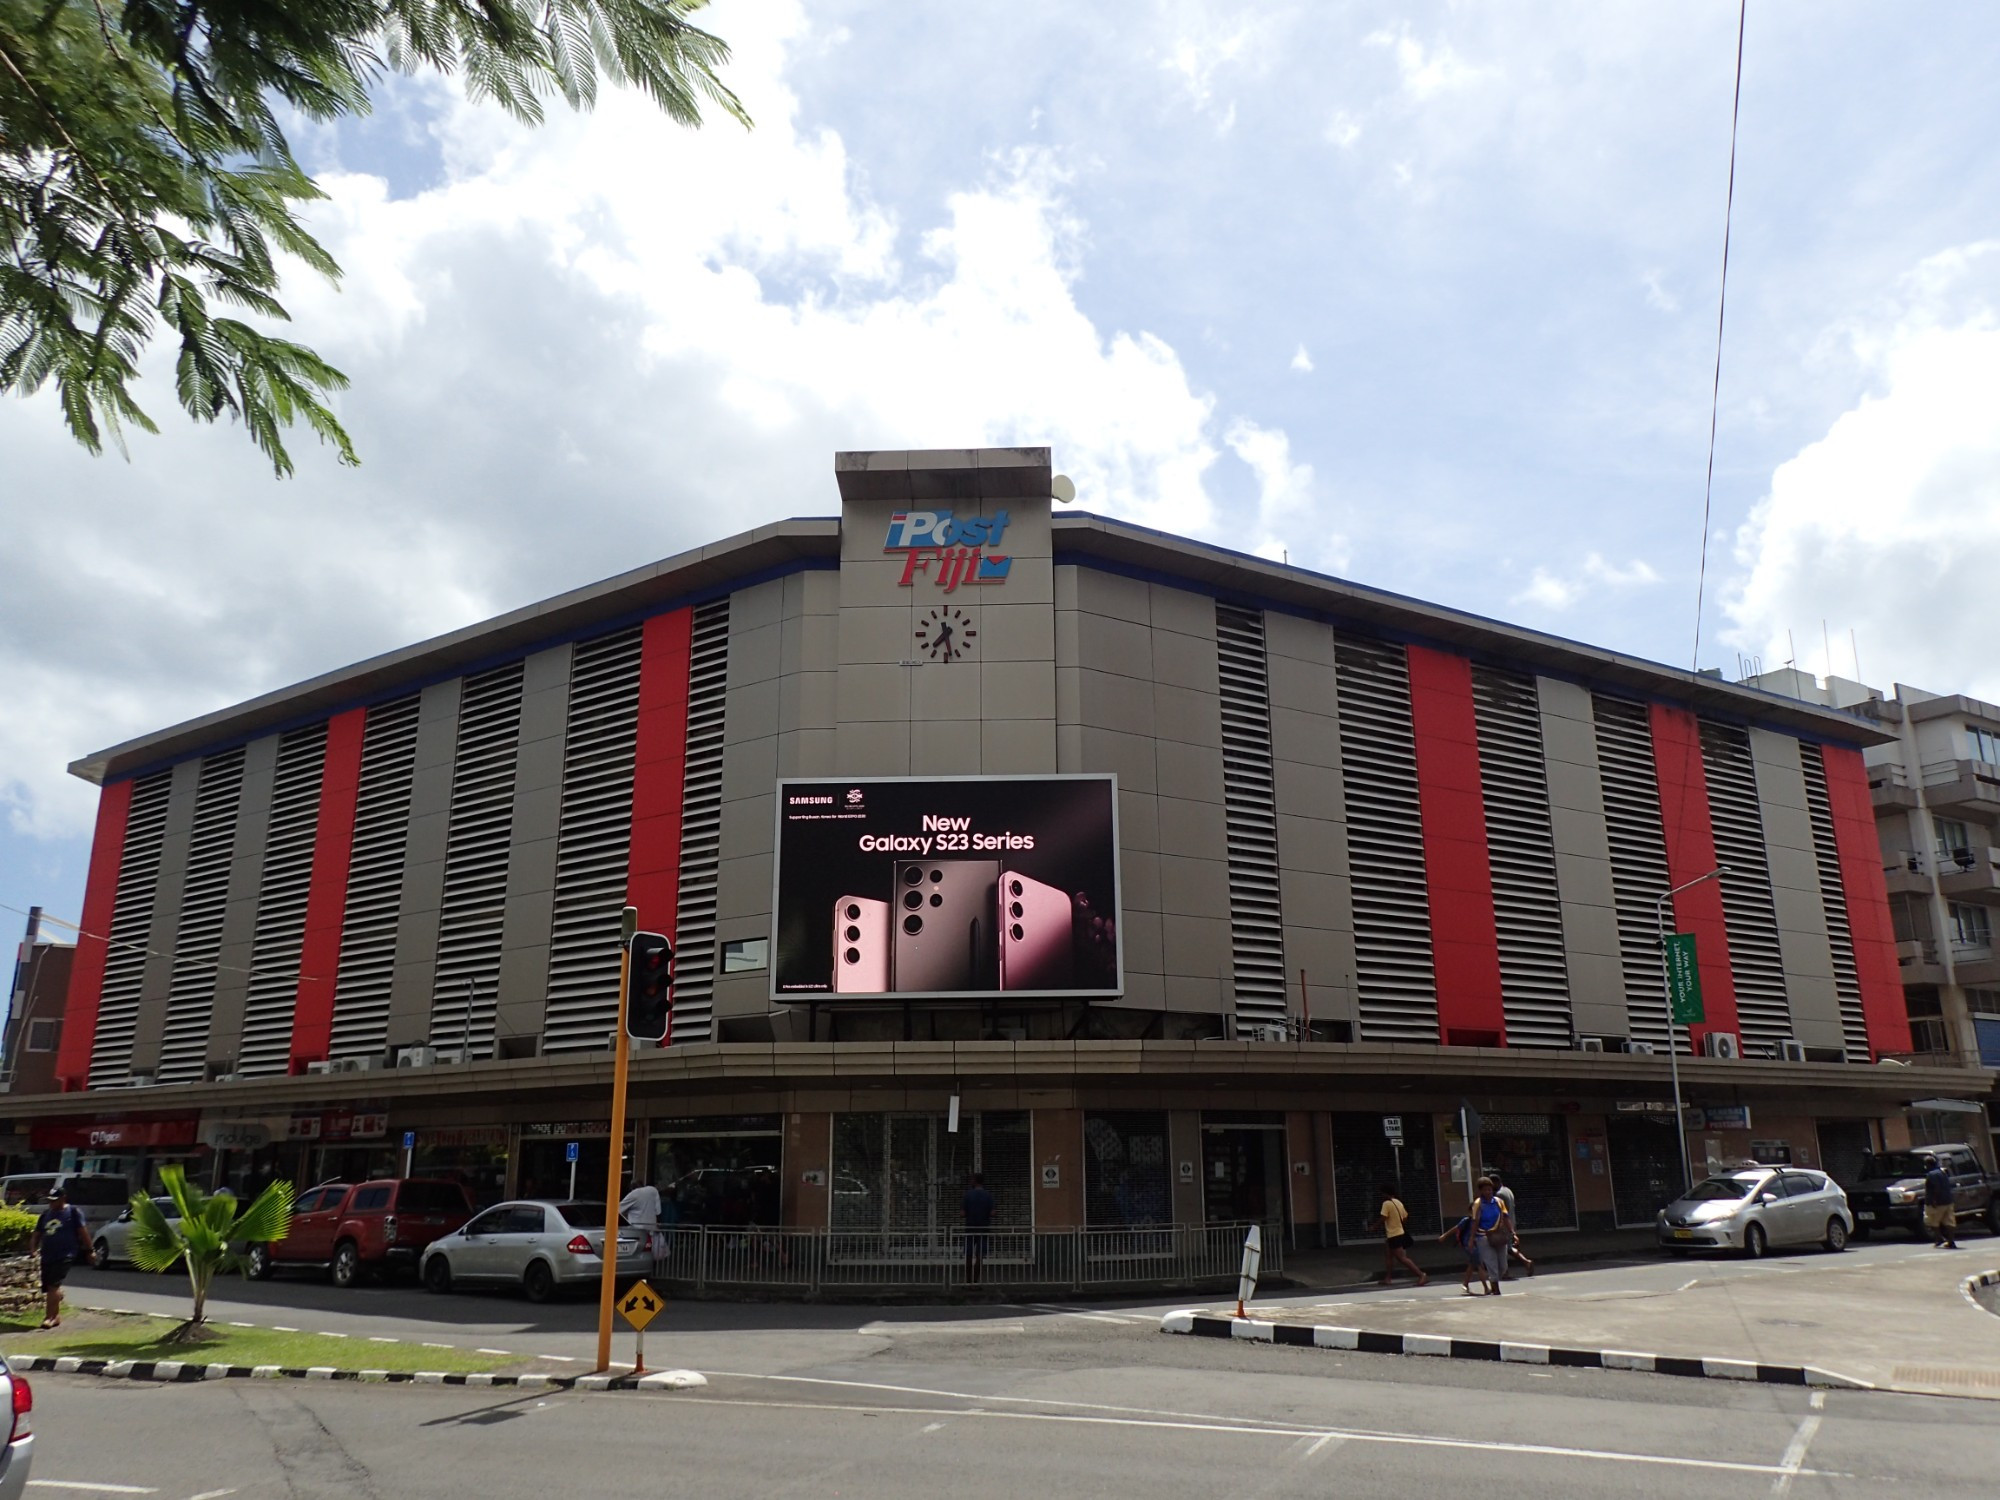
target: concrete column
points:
(423, 864)
(246, 883)
(531, 861)
(1583, 861)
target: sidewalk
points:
(1905, 1326)
(1346, 1267)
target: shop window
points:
(1531, 1153)
(42, 1035)
(906, 1175)
(1645, 1166)
(719, 1171)
(1125, 1171)
(1983, 1002)
(1366, 1159)
(746, 955)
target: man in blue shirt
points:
(62, 1238)
(977, 1206)
(1940, 1216)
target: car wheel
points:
(437, 1274)
(1836, 1234)
(1754, 1242)
(258, 1263)
(346, 1264)
(538, 1282)
(102, 1250)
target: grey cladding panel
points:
(152, 1015)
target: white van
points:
(99, 1196)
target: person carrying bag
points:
(1493, 1231)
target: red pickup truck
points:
(356, 1229)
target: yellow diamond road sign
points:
(640, 1306)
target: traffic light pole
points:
(608, 1283)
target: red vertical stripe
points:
(86, 974)
(1465, 945)
(1854, 838)
(1691, 853)
(659, 771)
(326, 897)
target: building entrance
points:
(1242, 1168)
(1645, 1166)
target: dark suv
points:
(367, 1227)
(1890, 1189)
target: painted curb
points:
(1970, 1287)
(181, 1372)
(1439, 1346)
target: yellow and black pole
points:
(608, 1284)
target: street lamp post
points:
(1667, 998)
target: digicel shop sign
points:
(955, 546)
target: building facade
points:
(1380, 862)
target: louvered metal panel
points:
(593, 843)
(478, 845)
(701, 825)
(204, 900)
(1638, 860)
(1394, 979)
(131, 927)
(273, 993)
(1256, 921)
(1756, 963)
(1520, 845)
(1833, 897)
(375, 880)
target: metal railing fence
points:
(713, 1257)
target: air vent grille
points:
(1833, 896)
(375, 879)
(131, 929)
(273, 994)
(477, 846)
(1395, 982)
(1256, 921)
(204, 900)
(1520, 843)
(593, 843)
(1638, 860)
(1756, 963)
(701, 824)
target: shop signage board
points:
(1684, 981)
(590, 1130)
(112, 1134)
(1392, 1125)
(1727, 1116)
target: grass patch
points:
(91, 1335)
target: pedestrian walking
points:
(1514, 1252)
(1394, 1220)
(62, 1239)
(1468, 1246)
(1494, 1231)
(977, 1206)
(1940, 1213)
(641, 1209)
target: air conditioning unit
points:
(324, 1065)
(416, 1057)
(1792, 1051)
(1723, 1044)
(230, 1077)
(457, 1054)
(1642, 1049)
(1590, 1044)
(141, 1080)
(1270, 1032)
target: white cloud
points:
(1657, 296)
(1552, 591)
(1889, 525)
(1288, 523)
(1302, 362)
(586, 347)
(1343, 130)
(1425, 71)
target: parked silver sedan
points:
(1755, 1208)
(111, 1246)
(541, 1246)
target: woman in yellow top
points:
(1395, 1219)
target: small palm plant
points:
(204, 1237)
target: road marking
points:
(935, 1427)
(281, 1328)
(1321, 1443)
(481, 1351)
(1070, 1312)
(950, 1325)
(1231, 1426)
(1817, 1401)
(1789, 1467)
(376, 1338)
(211, 1495)
(95, 1489)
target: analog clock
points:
(946, 634)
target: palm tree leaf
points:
(154, 1244)
(268, 1219)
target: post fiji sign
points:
(949, 549)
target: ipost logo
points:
(953, 543)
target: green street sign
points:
(1684, 981)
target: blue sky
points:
(1422, 294)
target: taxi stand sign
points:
(1684, 981)
(639, 1306)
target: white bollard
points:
(1253, 1257)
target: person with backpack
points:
(1394, 1220)
(1493, 1228)
(62, 1238)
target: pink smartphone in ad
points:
(860, 946)
(1037, 928)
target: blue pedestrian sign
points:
(409, 1140)
(569, 1151)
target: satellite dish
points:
(1063, 488)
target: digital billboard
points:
(946, 887)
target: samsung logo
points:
(809, 801)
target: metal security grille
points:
(1763, 1009)
(375, 880)
(1256, 923)
(273, 993)
(1833, 896)
(465, 986)
(1395, 982)
(1520, 845)
(904, 1176)
(1645, 1166)
(204, 899)
(131, 927)
(1126, 1181)
(593, 843)
(1366, 1159)
(1530, 1154)
(1638, 860)
(701, 824)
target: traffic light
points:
(649, 1005)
